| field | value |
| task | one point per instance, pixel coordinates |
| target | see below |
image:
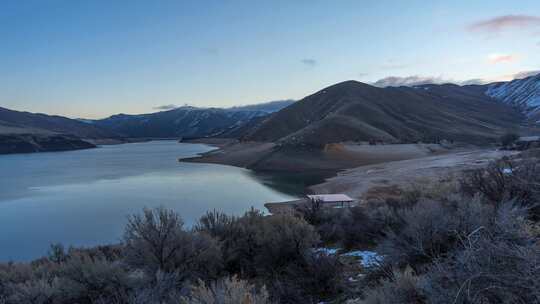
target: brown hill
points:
(354, 111)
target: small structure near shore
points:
(332, 200)
(325, 201)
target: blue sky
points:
(97, 58)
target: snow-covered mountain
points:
(188, 121)
(521, 93)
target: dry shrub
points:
(156, 241)
(163, 289)
(217, 224)
(38, 291)
(311, 211)
(487, 255)
(282, 240)
(258, 245)
(350, 227)
(27, 283)
(275, 250)
(316, 278)
(499, 264)
(399, 288)
(87, 279)
(78, 278)
(227, 291)
(430, 229)
(507, 180)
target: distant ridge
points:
(24, 132)
(189, 121)
(25, 122)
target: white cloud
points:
(166, 107)
(396, 81)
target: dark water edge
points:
(293, 183)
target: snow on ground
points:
(507, 171)
(524, 93)
(367, 258)
(327, 251)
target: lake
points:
(82, 198)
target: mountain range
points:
(22, 132)
(347, 111)
(188, 121)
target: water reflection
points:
(82, 198)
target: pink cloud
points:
(500, 58)
(500, 23)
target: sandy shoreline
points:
(265, 156)
(359, 170)
(366, 182)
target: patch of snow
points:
(368, 258)
(521, 93)
(327, 251)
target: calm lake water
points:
(82, 198)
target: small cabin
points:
(332, 200)
(325, 201)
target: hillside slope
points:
(354, 111)
(24, 122)
(523, 94)
(23, 132)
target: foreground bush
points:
(314, 279)
(227, 291)
(257, 245)
(491, 257)
(507, 180)
(79, 278)
(156, 241)
(431, 229)
(276, 251)
(345, 227)
(399, 287)
(498, 265)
